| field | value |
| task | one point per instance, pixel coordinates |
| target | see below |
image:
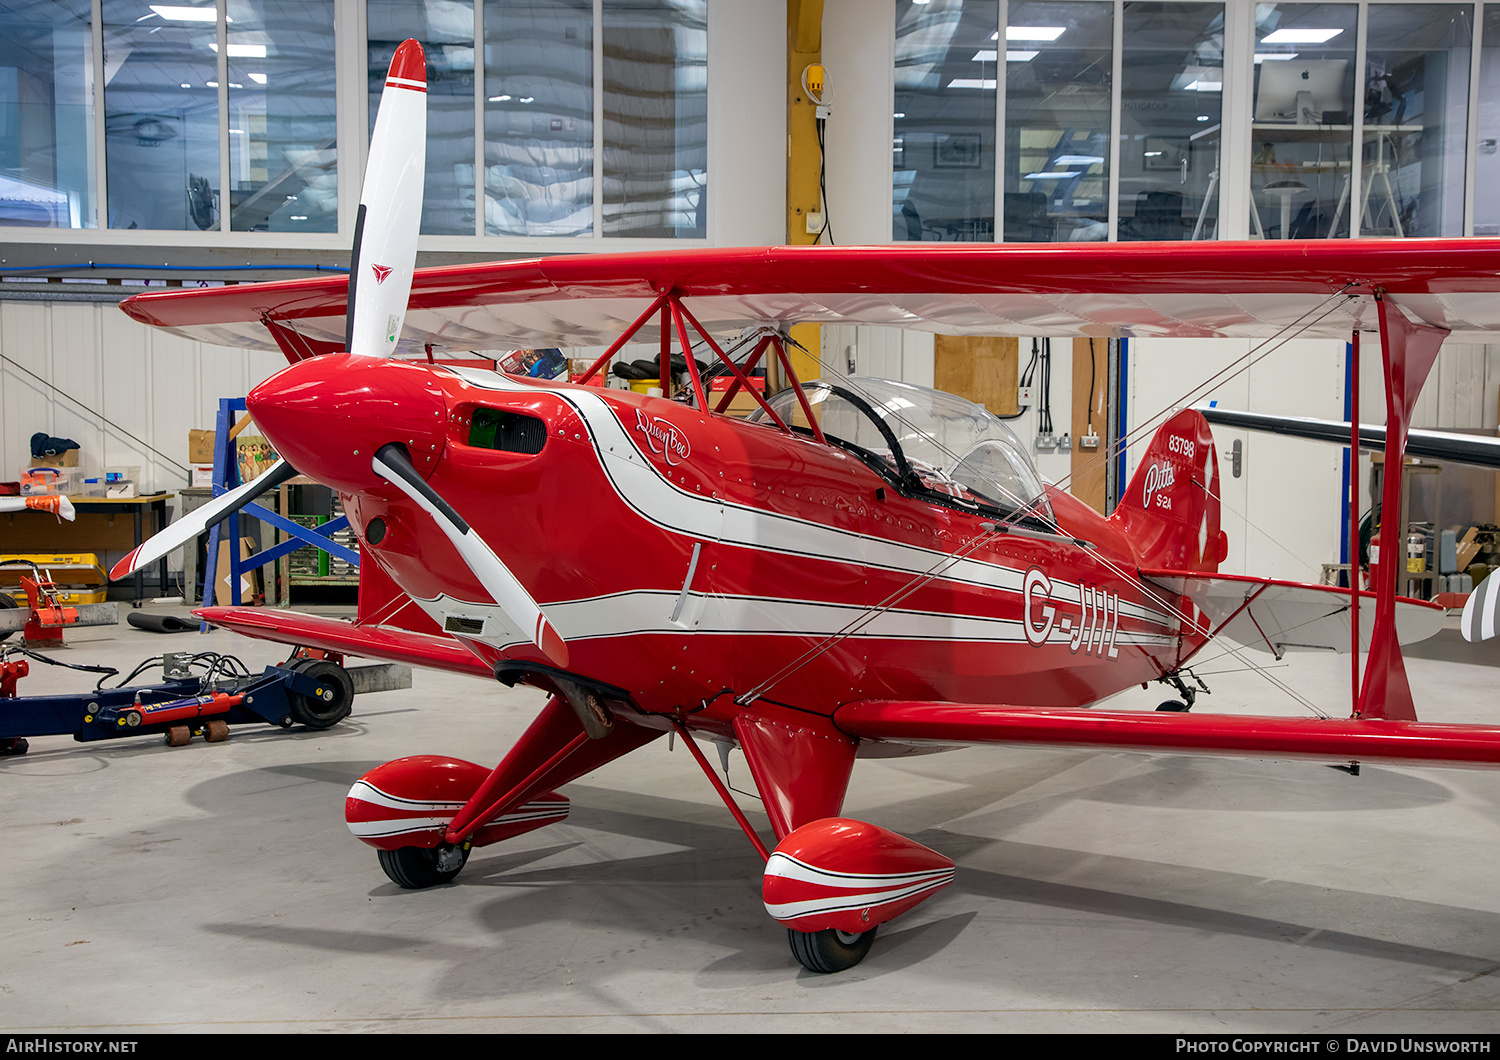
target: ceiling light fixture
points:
(1300, 36)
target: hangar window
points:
(557, 156)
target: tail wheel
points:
(332, 701)
(417, 867)
(831, 950)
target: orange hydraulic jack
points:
(44, 628)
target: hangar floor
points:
(215, 887)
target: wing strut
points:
(1408, 351)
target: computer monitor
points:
(1299, 92)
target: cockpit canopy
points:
(926, 441)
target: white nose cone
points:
(390, 209)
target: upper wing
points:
(1109, 289)
(1281, 616)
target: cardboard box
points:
(200, 447)
(249, 580)
(67, 458)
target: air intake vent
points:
(509, 432)
(472, 627)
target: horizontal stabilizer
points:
(1282, 616)
(1259, 736)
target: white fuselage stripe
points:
(642, 487)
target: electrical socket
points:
(1024, 395)
(1065, 443)
(1089, 441)
(1045, 442)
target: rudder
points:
(1170, 511)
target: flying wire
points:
(1030, 508)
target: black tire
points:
(829, 951)
(7, 603)
(1175, 706)
(417, 867)
(17, 746)
(338, 694)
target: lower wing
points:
(330, 634)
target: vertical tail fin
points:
(1170, 512)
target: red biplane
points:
(858, 567)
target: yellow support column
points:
(804, 159)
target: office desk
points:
(98, 528)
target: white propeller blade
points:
(390, 210)
(195, 522)
(56, 503)
(1479, 613)
(391, 464)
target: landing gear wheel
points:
(216, 731)
(334, 700)
(178, 735)
(417, 867)
(1175, 706)
(831, 950)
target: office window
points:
(1302, 130)
(1057, 102)
(1172, 81)
(539, 117)
(283, 158)
(1487, 144)
(46, 114)
(943, 150)
(161, 115)
(1416, 96)
(655, 136)
(446, 32)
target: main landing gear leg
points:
(552, 752)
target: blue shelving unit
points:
(226, 478)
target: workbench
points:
(99, 528)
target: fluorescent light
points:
(499, 99)
(1034, 32)
(299, 217)
(1202, 117)
(186, 85)
(528, 99)
(1261, 57)
(186, 14)
(1300, 36)
(243, 51)
(1154, 154)
(259, 79)
(899, 114)
(1076, 160)
(972, 82)
(1204, 86)
(988, 55)
(1019, 56)
(1052, 176)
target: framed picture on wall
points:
(1166, 152)
(956, 151)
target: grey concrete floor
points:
(216, 887)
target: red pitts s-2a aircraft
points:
(860, 567)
